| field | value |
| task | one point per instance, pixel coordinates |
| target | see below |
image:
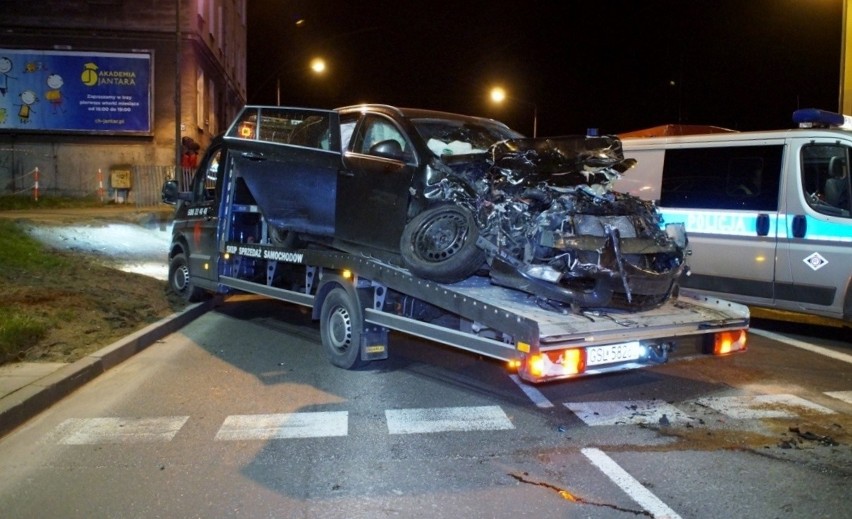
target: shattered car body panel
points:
(448, 195)
(552, 226)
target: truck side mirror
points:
(171, 193)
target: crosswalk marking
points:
(281, 426)
(534, 394)
(90, 431)
(410, 421)
(626, 412)
(761, 406)
(846, 396)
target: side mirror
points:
(171, 193)
(389, 149)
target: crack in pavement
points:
(568, 496)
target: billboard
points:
(72, 91)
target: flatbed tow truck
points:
(222, 243)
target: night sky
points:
(609, 64)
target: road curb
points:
(25, 403)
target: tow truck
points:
(223, 242)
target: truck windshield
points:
(459, 137)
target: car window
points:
(725, 177)
(376, 129)
(825, 178)
(458, 137)
(307, 128)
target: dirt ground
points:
(91, 302)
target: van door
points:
(202, 216)
(727, 195)
(816, 238)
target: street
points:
(240, 415)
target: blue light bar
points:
(810, 117)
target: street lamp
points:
(498, 95)
(317, 66)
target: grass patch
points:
(19, 252)
(17, 203)
(22, 257)
(18, 332)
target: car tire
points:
(341, 324)
(440, 244)
(180, 280)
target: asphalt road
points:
(240, 415)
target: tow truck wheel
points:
(180, 281)
(440, 244)
(341, 323)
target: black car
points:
(449, 196)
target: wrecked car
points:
(450, 196)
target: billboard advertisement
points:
(73, 91)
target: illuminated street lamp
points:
(317, 66)
(498, 95)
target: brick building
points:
(92, 85)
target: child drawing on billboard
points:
(28, 98)
(5, 68)
(54, 94)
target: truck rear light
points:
(729, 342)
(555, 364)
(574, 361)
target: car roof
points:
(416, 113)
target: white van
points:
(767, 213)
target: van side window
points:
(206, 177)
(731, 177)
(825, 178)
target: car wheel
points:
(180, 280)
(440, 244)
(341, 323)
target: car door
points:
(373, 187)
(287, 161)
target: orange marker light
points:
(729, 342)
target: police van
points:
(767, 213)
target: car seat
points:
(836, 187)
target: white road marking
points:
(91, 431)
(803, 345)
(846, 396)
(411, 421)
(284, 426)
(626, 412)
(532, 393)
(761, 406)
(647, 500)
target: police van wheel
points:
(341, 323)
(180, 281)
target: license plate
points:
(596, 355)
